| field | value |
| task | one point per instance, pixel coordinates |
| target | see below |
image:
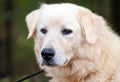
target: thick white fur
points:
(93, 49)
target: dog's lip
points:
(51, 63)
(48, 63)
(66, 62)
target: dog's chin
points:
(53, 63)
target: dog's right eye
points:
(43, 30)
(66, 31)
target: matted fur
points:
(93, 49)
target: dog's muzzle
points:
(48, 56)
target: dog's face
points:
(59, 30)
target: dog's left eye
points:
(66, 31)
(43, 30)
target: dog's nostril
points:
(47, 54)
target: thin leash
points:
(30, 76)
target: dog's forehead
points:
(58, 16)
(59, 8)
(57, 12)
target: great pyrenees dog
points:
(72, 44)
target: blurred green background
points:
(16, 52)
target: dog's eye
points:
(43, 30)
(66, 31)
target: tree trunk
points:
(8, 40)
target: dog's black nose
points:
(47, 54)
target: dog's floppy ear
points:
(90, 24)
(32, 20)
(89, 34)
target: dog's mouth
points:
(49, 63)
(53, 63)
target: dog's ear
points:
(89, 34)
(90, 24)
(32, 21)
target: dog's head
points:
(60, 32)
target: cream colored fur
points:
(93, 49)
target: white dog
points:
(72, 44)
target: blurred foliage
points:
(24, 61)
